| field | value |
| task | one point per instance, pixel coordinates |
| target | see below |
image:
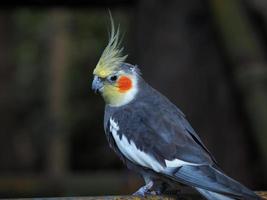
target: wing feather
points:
(160, 130)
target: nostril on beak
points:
(97, 84)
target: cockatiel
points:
(152, 136)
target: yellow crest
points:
(112, 56)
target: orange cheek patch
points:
(124, 84)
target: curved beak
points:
(97, 84)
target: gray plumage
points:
(159, 129)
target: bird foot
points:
(146, 190)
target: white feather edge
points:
(130, 151)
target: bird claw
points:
(145, 190)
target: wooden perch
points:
(95, 183)
(263, 194)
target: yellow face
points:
(117, 88)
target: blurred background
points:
(207, 56)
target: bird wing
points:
(161, 139)
(162, 134)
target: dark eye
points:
(113, 78)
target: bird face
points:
(117, 88)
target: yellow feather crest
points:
(112, 56)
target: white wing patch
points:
(130, 151)
(177, 163)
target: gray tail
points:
(213, 195)
(213, 184)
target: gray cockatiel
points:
(152, 136)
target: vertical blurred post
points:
(250, 67)
(57, 150)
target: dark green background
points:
(207, 56)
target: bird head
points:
(114, 79)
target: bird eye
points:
(113, 78)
